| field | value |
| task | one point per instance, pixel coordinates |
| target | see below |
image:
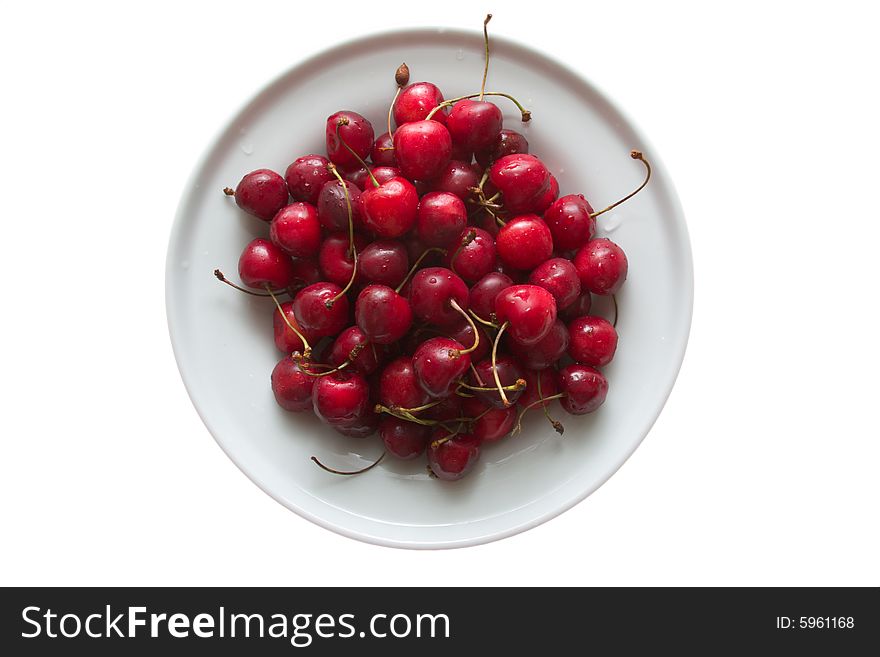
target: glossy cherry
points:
(286, 339)
(416, 101)
(382, 314)
(332, 208)
(492, 424)
(546, 351)
(261, 193)
(431, 290)
(579, 308)
(545, 200)
(403, 439)
(602, 266)
(305, 272)
(522, 179)
(399, 387)
(473, 255)
(355, 131)
(483, 292)
(296, 229)
(306, 176)
(474, 124)
(262, 265)
(389, 210)
(383, 261)
(341, 398)
(531, 311)
(291, 387)
(362, 426)
(509, 142)
(312, 313)
(560, 278)
(383, 174)
(524, 242)
(382, 152)
(353, 340)
(335, 259)
(463, 332)
(422, 149)
(439, 363)
(593, 340)
(457, 177)
(440, 219)
(509, 373)
(451, 458)
(584, 388)
(570, 222)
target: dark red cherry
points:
(560, 278)
(472, 256)
(463, 332)
(602, 266)
(584, 388)
(261, 193)
(570, 222)
(368, 357)
(447, 410)
(383, 261)
(549, 386)
(390, 209)
(483, 293)
(382, 314)
(524, 242)
(531, 311)
(384, 174)
(439, 363)
(509, 372)
(362, 426)
(285, 339)
(431, 290)
(546, 199)
(457, 177)
(416, 101)
(508, 143)
(593, 341)
(522, 179)
(357, 133)
(334, 259)
(312, 313)
(360, 176)
(305, 177)
(492, 424)
(296, 230)
(579, 308)
(292, 388)
(341, 398)
(546, 351)
(474, 124)
(332, 209)
(382, 153)
(262, 264)
(451, 458)
(305, 272)
(403, 439)
(440, 219)
(422, 149)
(399, 387)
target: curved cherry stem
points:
(614, 301)
(469, 237)
(401, 414)
(390, 111)
(344, 121)
(349, 472)
(486, 65)
(414, 268)
(557, 425)
(482, 321)
(518, 426)
(352, 356)
(473, 347)
(526, 114)
(222, 278)
(498, 385)
(307, 349)
(519, 385)
(636, 155)
(352, 251)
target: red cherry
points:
(522, 179)
(549, 386)
(399, 387)
(546, 199)
(602, 266)
(593, 341)
(492, 424)
(285, 339)
(531, 311)
(509, 142)
(383, 174)
(509, 372)
(524, 242)
(261, 193)
(422, 149)
(482, 295)
(403, 439)
(334, 259)
(382, 314)
(362, 426)
(366, 360)
(389, 210)
(383, 261)
(546, 351)
(262, 264)
(296, 229)
(560, 278)
(332, 208)
(584, 388)
(357, 132)
(463, 333)
(452, 458)
(579, 308)
(341, 398)
(440, 219)
(457, 177)
(312, 313)
(439, 363)
(570, 222)
(292, 388)
(474, 124)
(382, 153)
(305, 272)
(416, 101)
(431, 290)
(474, 255)
(305, 177)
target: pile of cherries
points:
(437, 293)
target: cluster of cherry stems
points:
(471, 282)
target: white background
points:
(763, 468)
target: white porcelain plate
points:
(223, 339)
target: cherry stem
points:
(419, 409)
(614, 301)
(307, 349)
(482, 321)
(352, 356)
(390, 110)
(469, 237)
(353, 472)
(504, 398)
(351, 250)
(222, 278)
(229, 191)
(636, 155)
(344, 121)
(473, 347)
(414, 268)
(486, 65)
(402, 414)
(519, 385)
(526, 114)
(556, 425)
